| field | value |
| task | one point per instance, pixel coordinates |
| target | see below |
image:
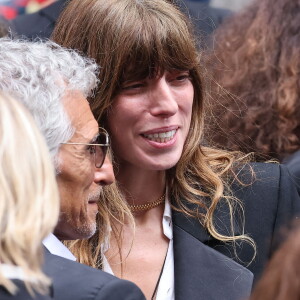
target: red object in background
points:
(12, 8)
(20, 3)
(7, 12)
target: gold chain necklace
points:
(140, 207)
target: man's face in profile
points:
(79, 181)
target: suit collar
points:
(191, 225)
(221, 220)
(55, 246)
(200, 269)
(202, 272)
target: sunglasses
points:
(98, 148)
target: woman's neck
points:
(141, 186)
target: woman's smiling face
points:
(150, 120)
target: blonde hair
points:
(29, 199)
(133, 39)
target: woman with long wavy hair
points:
(200, 213)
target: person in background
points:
(280, 280)
(255, 94)
(39, 24)
(201, 213)
(53, 84)
(11, 9)
(29, 204)
(205, 18)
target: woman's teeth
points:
(161, 137)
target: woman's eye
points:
(179, 76)
(183, 77)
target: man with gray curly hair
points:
(53, 83)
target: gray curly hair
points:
(38, 74)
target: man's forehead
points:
(80, 114)
(75, 104)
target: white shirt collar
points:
(166, 289)
(167, 219)
(55, 246)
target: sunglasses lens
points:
(100, 153)
(103, 138)
(99, 156)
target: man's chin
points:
(81, 232)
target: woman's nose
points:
(163, 99)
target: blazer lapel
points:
(202, 272)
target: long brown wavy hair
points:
(256, 58)
(137, 39)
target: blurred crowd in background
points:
(9, 9)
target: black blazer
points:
(202, 264)
(22, 293)
(74, 281)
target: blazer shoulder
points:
(72, 280)
(269, 185)
(59, 267)
(22, 293)
(257, 170)
(262, 177)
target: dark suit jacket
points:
(39, 24)
(74, 281)
(22, 293)
(202, 264)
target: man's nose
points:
(105, 175)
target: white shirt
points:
(166, 284)
(165, 289)
(55, 246)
